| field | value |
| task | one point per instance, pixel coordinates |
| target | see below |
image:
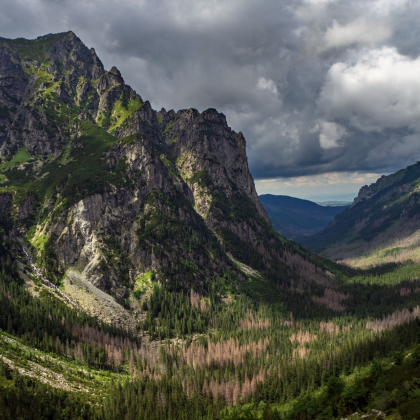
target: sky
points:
(326, 92)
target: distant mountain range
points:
(293, 217)
(380, 226)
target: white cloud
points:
(330, 183)
(189, 14)
(267, 84)
(329, 134)
(381, 90)
(386, 7)
(360, 31)
(276, 68)
(319, 2)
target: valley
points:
(141, 277)
(292, 217)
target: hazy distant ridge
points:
(293, 217)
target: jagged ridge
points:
(94, 178)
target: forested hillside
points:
(141, 277)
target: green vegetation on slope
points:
(122, 111)
(36, 49)
(303, 366)
(20, 157)
(384, 217)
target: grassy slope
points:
(35, 49)
(59, 372)
(376, 229)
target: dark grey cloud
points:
(316, 86)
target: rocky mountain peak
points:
(117, 189)
(115, 71)
(110, 79)
(75, 57)
(217, 117)
(364, 193)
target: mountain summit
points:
(101, 186)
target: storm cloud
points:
(316, 86)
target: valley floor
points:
(257, 361)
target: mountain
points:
(294, 217)
(334, 203)
(140, 277)
(104, 190)
(379, 227)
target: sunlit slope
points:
(380, 226)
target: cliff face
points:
(94, 178)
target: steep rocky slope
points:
(380, 226)
(94, 179)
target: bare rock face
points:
(12, 80)
(204, 142)
(364, 193)
(110, 79)
(69, 55)
(113, 188)
(6, 201)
